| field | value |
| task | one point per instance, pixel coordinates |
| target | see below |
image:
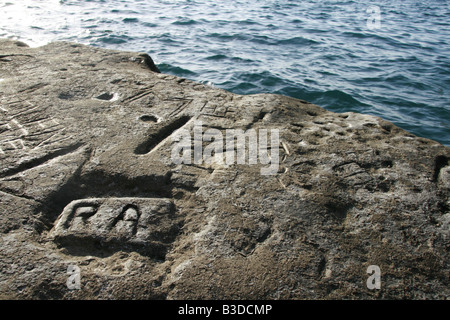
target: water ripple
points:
(320, 51)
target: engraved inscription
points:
(24, 126)
(140, 222)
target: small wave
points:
(242, 88)
(108, 21)
(241, 60)
(397, 43)
(254, 82)
(405, 59)
(114, 39)
(124, 11)
(227, 37)
(337, 101)
(400, 81)
(217, 57)
(222, 57)
(296, 41)
(247, 22)
(262, 40)
(355, 35)
(149, 24)
(249, 38)
(334, 100)
(184, 22)
(130, 20)
(176, 71)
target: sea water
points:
(385, 58)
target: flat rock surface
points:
(88, 179)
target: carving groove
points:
(40, 161)
(158, 135)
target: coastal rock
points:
(89, 178)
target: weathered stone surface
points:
(142, 224)
(87, 179)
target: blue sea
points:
(385, 58)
